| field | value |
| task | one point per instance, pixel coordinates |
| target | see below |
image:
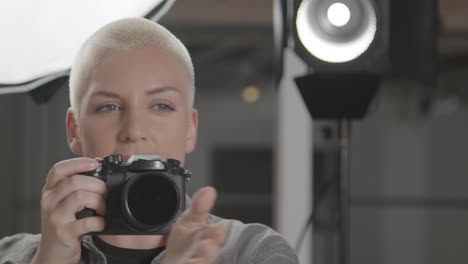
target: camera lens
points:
(151, 200)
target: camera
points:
(145, 194)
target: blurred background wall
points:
(409, 202)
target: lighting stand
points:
(342, 97)
(344, 140)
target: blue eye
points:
(108, 108)
(163, 107)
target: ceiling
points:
(258, 12)
(454, 15)
(453, 12)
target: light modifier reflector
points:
(330, 43)
(41, 38)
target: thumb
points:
(202, 203)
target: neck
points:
(135, 242)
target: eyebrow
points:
(157, 90)
(162, 90)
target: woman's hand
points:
(192, 240)
(65, 194)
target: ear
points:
(191, 139)
(73, 138)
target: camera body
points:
(145, 194)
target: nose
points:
(132, 127)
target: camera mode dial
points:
(114, 159)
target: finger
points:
(67, 168)
(86, 225)
(203, 201)
(207, 251)
(214, 232)
(194, 241)
(78, 201)
(69, 185)
(205, 244)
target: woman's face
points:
(136, 102)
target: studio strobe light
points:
(337, 36)
(345, 44)
(336, 31)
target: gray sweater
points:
(245, 243)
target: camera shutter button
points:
(173, 162)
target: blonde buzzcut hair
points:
(125, 35)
